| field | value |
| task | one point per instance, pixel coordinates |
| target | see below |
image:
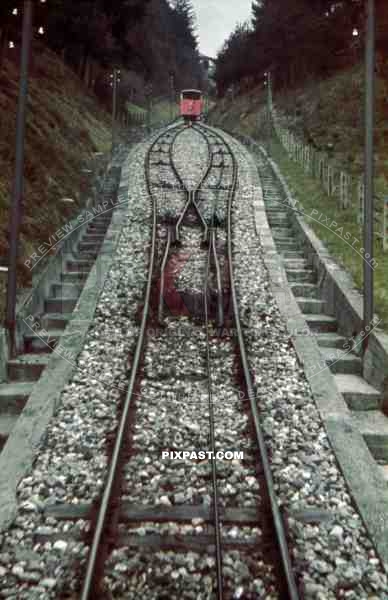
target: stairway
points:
(363, 400)
(26, 368)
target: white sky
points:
(216, 19)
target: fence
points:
(348, 190)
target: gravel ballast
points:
(71, 464)
(331, 551)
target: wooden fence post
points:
(321, 170)
(330, 180)
(360, 203)
(344, 190)
(313, 162)
(306, 159)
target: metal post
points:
(172, 98)
(17, 192)
(268, 84)
(114, 109)
(369, 166)
(149, 107)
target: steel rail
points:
(277, 518)
(210, 163)
(191, 200)
(192, 194)
(89, 583)
(216, 516)
(162, 269)
(220, 301)
(180, 129)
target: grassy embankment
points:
(65, 126)
(329, 112)
(161, 110)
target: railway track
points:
(190, 347)
(168, 524)
(179, 521)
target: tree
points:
(296, 38)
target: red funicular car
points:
(191, 104)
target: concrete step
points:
(293, 254)
(311, 306)
(272, 199)
(42, 343)
(342, 361)
(93, 238)
(95, 235)
(101, 222)
(287, 245)
(103, 219)
(357, 393)
(55, 320)
(89, 246)
(373, 426)
(7, 423)
(60, 305)
(307, 290)
(89, 254)
(75, 277)
(331, 340)
(65, 290)
(82, 265)
(321, 323)
(92, 253)
(13, 396)
(296, 263)
(27, 367)
(94, 229)
(301, 275)
(283, 232)
(278, 220)
(284, 239)
(275, 208)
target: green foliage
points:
(237, 57)
(64, 128)
(149, 37)
(92, 28)
(296, 39)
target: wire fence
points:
(336, 182)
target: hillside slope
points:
(326, 114)
(65, 126)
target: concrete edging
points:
(366, 485)
(18, 453)
(342, 299)
(3, 354)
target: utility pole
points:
(268, 84)
(172, 94)
(369, 166)
(115, 80)
(17, 192)
(149, 106)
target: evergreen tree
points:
(296, 38)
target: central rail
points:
(91, 576)
(277, 518)
(108, 503)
